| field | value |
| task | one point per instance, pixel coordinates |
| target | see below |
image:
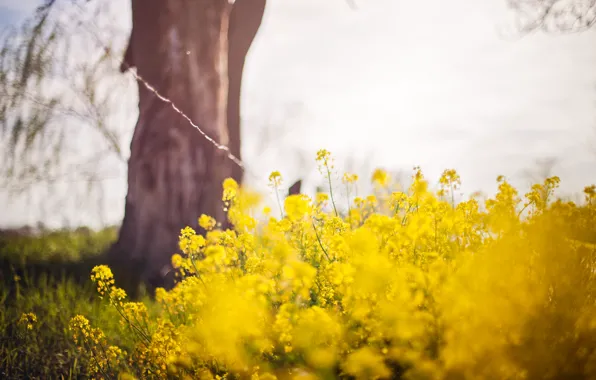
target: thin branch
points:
(554, 16)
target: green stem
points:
(192, 261)
(349, 206)
(281, 211)
(331, 190)
(319, 240)
(132, 325)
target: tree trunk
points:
(180, 47)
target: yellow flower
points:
(323, 156)
(325, 162)
(590, 194)
(28, 320)
(135, 312)
(275, 179)
(103, 277)
(206, 222)
(380, 177)
(189, 242)
(177, 260)
(366, 364)
(350, 178)
(117, 295)
(322, 198)
(297, 206)
(450, 177)
(230, 189)
(399, 284)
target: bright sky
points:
(400, 83)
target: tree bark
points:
(180, 47)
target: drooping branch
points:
(59, 91)
(554, 16)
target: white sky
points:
(401, 83)
(19, 5)
(431, 83)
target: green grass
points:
(48, 275)
(60, 246)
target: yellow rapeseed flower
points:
(28, 320)
(230, 189)
(349, 178)
(380, 177)
(394, 284)
(103, 277)
(207, 222)
(275, 179)
(297, 206)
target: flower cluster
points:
(401, 283)
(28, 320)
(105, 359)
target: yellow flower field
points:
(402, 283)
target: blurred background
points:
(379, 83)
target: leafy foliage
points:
(54, 76)
(554, 15)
